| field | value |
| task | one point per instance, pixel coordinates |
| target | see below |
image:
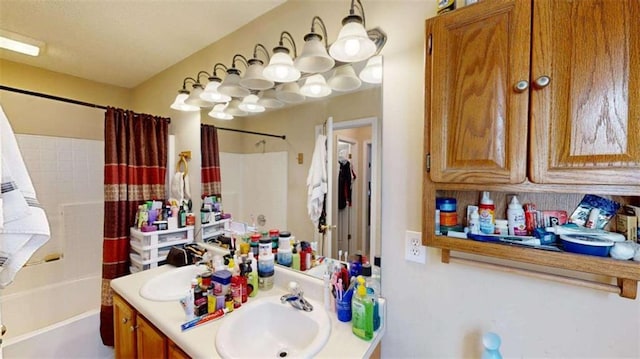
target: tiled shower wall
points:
(68, 178)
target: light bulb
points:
(352, 47)
(281, 72)
(315, 89)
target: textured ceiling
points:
(122, 42)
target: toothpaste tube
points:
(204, 319)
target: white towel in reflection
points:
(317, 180)
(24, 224)
(177, 187)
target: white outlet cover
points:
(414, 250)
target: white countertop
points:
(199, 342)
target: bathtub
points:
(76, 337)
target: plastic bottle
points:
(373, 291)
(182, 217)
(295, 257)
(515, 217)
(491, 343)
(252, 276)
(362, 312)
(474, 222)
(487, 211)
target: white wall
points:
(440, 310)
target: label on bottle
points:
(486, 220)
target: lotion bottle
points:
(515, 218)
(295, 262)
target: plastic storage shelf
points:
(150, 249)
(214, 229)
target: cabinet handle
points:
(542, 82)
(125, 320)
(521, 86)
(132, 328)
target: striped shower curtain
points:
(134, 171)
(211, 179)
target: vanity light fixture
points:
(315, 86)
(344, 79)
(231, 84)
(218, 112)
(372, 72)
(233, 108)
(210, 92)
(254, 78)
(314, 57)
(353, 43)
(268, 99)
(251, 105)
(280, 68)
(183, 94)
(194, 98)
(289, 92)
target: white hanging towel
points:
(177, 187)
(24, 226)
(317, 180)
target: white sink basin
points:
(171, 285)
(267, 328)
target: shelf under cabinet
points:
(627, 273)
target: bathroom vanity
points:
(145, 328)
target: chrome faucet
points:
(296, 298)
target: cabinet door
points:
(477, 118)
(151, 342)
(124, 324)
(174, 352)
(586, 122)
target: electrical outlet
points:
(414, 250)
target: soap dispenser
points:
(295, 257)
(362, 312)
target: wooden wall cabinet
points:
(136, 337)
(538, 98)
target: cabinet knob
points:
(542, 81)
(125, 320)
(133, 328)
(521, 86)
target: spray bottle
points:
(487, 211)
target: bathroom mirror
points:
(264, 178)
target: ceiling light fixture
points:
(233, 109)
(231, 84)
(218, 112)
(183, 94)
(251, 105)
(194, 98)
(314, 57)
(315, 86)
(289, 92)
(353, 43)
(268, 99)
(280, 68)
(210, 92)
(254, 78)
(19, 43)
(344, 79)
(372, 72)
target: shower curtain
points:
(211, 179)
(134, 171)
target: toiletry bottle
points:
(295, 257)
(236, 291)
(474, 222)
(253, 276)
(373, 292)
(244, 280)
(182, 217)
(362, 312)
(487, 212)
(516, 219)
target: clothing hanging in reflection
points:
(346, 176)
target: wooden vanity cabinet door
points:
(151, 342)
(586, 122)
(174, 352)
(477, 121)
(124, 323)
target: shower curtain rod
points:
(252, 132)
(52, 97)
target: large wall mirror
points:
(264, 178)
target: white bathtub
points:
(77, 337)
